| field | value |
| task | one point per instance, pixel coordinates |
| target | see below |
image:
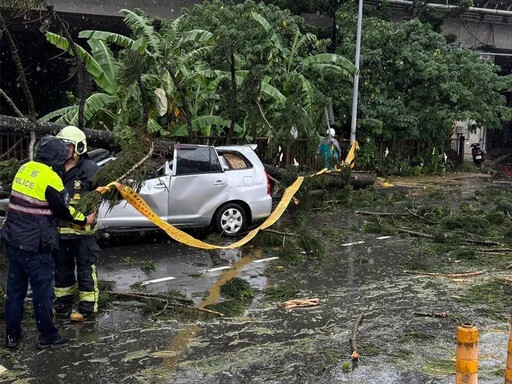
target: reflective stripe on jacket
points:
(30, 224)
(78, 181)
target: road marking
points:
(267, 259)
(355, 243)
(147, 282)
(216, 269)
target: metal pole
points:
(356, 76)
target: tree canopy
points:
(414, 85)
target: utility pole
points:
(356, 76)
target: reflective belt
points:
(30, 211)
(64, 291)
(77, 230)
(31, 200)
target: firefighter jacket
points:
(37, 198)
(78, 181)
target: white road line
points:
(216, 269)
(349, 244)
(267, 259)
(147, 282)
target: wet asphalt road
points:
(269, 344)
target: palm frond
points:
(91, 65)
(139, 25)
(109, 37)
(59, 113)
(103, 55)
(93, 104)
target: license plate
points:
(478, 157)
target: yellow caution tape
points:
(140, 205)
(351, 157)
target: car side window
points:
(197, 160)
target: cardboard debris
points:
(296, 303)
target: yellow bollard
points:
(466, 371)
(508, 369)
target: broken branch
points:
(353, 340)
(450, 275)
(144, 297)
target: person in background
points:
(77, 245)
(29, 232)
(329, 149)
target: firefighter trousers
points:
(82, 253)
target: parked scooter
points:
(478, 156)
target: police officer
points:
(30, 234)
(77, 245)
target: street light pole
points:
(356, 76)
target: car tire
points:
(230, 219)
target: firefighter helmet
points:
(73, 135)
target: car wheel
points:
(230, 219)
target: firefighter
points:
(77, 245)
(29, 232)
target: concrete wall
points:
(160, 8)
(478, 34)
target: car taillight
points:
(268, 184)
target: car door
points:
(155, 193)
(198, 185)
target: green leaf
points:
(153, 126)
(59, 113)
(91, 65)
(276, 39)
(202, 122)
(93, 105)
(105, 58)
(139, 24)
(273, 92)
(333, 68)
(329, 58)
(308, 95)
(179, 129)
(198, 36)
(109, 37)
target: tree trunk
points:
(184, 102)
(95, 138)
(357, 179)
(22, 127)
(233, 108)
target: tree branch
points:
(11, 103)
(79, 65)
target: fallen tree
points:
(330, 180)
(22, 127)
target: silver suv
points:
(223, 187)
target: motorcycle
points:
(478, 156)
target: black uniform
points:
(77, 246)
(38, 197)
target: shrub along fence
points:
(298, 151)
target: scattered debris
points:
(449, 275)
(299, 303)
(353, 340)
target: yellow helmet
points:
(73, 135)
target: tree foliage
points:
(414, 85)
(245, 69)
